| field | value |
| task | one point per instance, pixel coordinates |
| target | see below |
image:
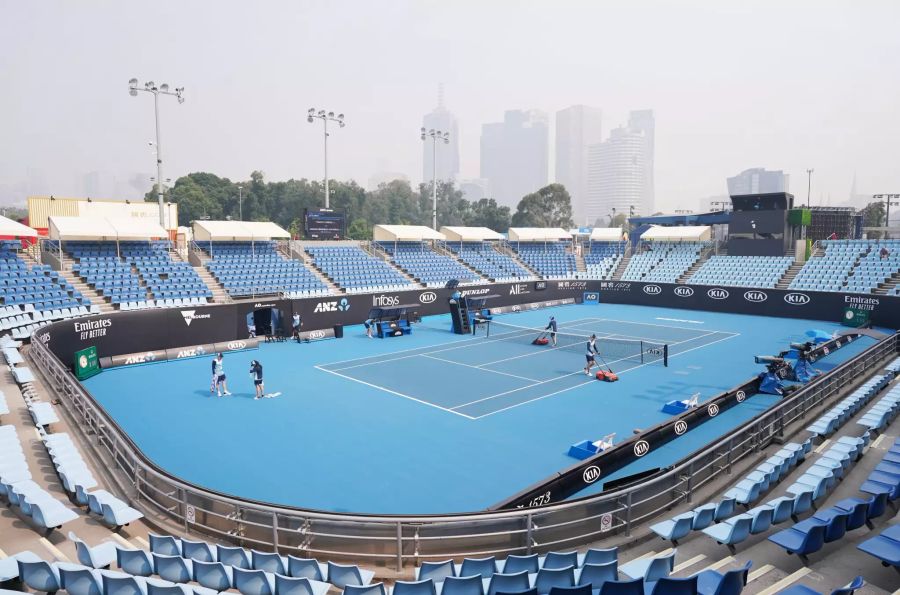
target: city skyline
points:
(249, 80)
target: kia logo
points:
(713, 410)
(652, 289)
(741, 395)
(718, 293)
(641, 447)
(755, 296)
(680, 427)
(317, 334)
(591, 474)
(427, 297)
(684, 291)
(235, 345)
(796, 299)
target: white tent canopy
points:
(470, 234)
(538, 234)
(405, 233)
(103, 229)
(8, 227)
(687, 233)
(237, 231)
(606, 234)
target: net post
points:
(642, 352)
(666, 355)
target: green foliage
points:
(486, 213)
(360, 229)
(619, 220)
(551, 206)
(874, 216)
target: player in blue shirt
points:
(590, 353)
(551, 326)
(256, 372)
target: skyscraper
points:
(514, 155)
(577, 127)
(447, 156)
(617, 176)
(643, 121)
(758, 180)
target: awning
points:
(470, 234)
(405, 233)
(103, 229)
(8, 227)
(237, 231)
(538, 234)
(695, 233)
(606, 234)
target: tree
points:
(873, 216)
(360, 230)
(487, 213)
(551, 206)
(618, 220)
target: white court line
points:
(533, 353)
(450, 361)
(595, 380)
(393, 392)
(684, 328)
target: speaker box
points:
(339, 331)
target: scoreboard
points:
(322, 224)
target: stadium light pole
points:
(326, 117)
(240, 203)
(436, 136)
(888, 203)
(163, 89)
(809, 173)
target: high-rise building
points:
(758, 180)
(617, 176)
(577, 128)
(90, 184)
(514, 155)
(475, 189)
(644, 122)
(447, 155)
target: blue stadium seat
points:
(483, 567)
(713, 582)
(437, 571)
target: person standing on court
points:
(219, 367)
(256, 372)
(296, 324)
(591, 352)
(551, 326)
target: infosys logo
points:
(797, 299)
(385, 300)
(428, 297)
(191, 315)
(652, 289)
(717, 293)
(684, 291)
(756, 296)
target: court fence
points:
(403, 540)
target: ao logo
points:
(755, 296)
(82, 361)
(684, 291)
(796, 299)
(641, 447)
(848, 315)
(517, 308)
(235, 345)
(427, 297)
(317, 334)
(717, 293)
(713, 410)
(740, 395)
(591, 474)
(652, 289)
(591, 297)
(680, 427)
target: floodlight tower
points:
(325, 117)
(436, 136)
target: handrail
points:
(388, 539)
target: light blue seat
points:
(119, 583)
(39, 575)
(234, 556)
(745, 492)
(803, 502)
(724, 509)
(503, 582)
(421, 587)
(436, 571)
(165, 544)
(675, 528)
(548, 578)
(79, 580)
(289, 585)
(712, 582)
(342, 575)
(782, 508)
(730, 534)
(51, 514)
(307, 567)
(601, 556)
(462, 585)
(253, 582)
(119, 516)
(515, 564)
(597, 574)
(269, 561)
(805, 483)
(483, 567)
(135, 562)
(213, 575)
(99, 556)
(703, 516)
(156, 586)
(374, 589)
(559, 560)
(173, 568)
(197, 550)
(9, 567)
(761, 519)
(650, 569)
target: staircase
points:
(505, 250)
(378, 252)
(623, 264)
(704, 256)
(219, 295)
(302, 255)
(888, 284)
(579, 263)
(85, 290)
(789, 275)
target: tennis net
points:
(611, 349)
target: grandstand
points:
(856, 266)
(742, 271)
(546, 251)
(479, 248)
(603, 252)
(353, 269)
(410, 249)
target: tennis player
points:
(256, 372)
(219, 367)
(591, 352)
(551, 326)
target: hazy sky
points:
(781, 84)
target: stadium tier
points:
(248, 269)
(355, 270)
(35, 287)
(742, 271)
(857, 266)
(426, 265)
(662, 262)
(551, 259)
(485, 259)
(602, 258)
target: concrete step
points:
(220, 296)
(86, 290)
(620, 270)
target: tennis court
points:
(502, 369)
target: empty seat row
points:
(835, 417)
(883, 412)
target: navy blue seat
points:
(632, 587)
(713, 582)
(847, 589)
(799, 542)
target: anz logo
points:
(684, 291)
(652, 289)
(713, 410)
(340, 306)
(641, 447)
(680, 427)
(591, 474)
(797, 299)
(756, 296)
(718, 293)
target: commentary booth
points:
(208, 233)
(535, 235)
(686, 233)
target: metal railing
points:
(399, 540)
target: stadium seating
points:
(426, 265)
(885, 546)
(247, 269)
(835, 417)
(662, 262)
(30, 294)
(855, 266)
(742, 271)
(601, 259)
(482, 257)
(551, 259)
(355, 270)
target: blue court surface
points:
(435, 422)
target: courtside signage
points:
(684, 291)
(428, 297)
(652, 289)
(755, 296)
(797, 299)
(717, 293)
(591, 474)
